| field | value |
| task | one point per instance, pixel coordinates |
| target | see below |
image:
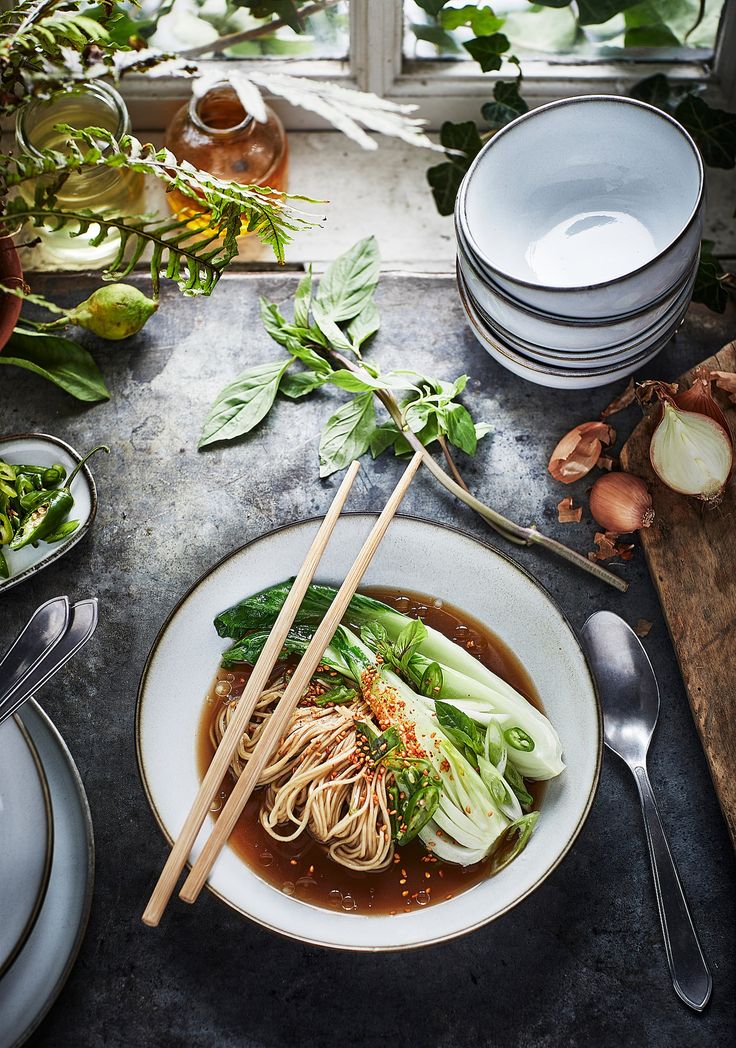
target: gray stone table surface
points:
(581, 962)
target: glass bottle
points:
(217, 135)
(90, 104)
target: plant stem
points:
(451, 463)
(230, 39)
(507, 528)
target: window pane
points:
(664, 27)
(176, 25)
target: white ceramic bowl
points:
(552, 375)
(554, 333)
(587, 207)
(477, 578)
(612, 356)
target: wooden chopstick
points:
(231, 739)
(279, 720)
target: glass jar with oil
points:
(217, 135)
(99, 189)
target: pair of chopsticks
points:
(279, 719)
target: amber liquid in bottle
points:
(217, 135)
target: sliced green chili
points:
(518, 739)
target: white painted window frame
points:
(444, 90)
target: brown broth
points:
(301, 868)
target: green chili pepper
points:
(33, 499)
(518, 739)
(7, 472)
(4, 569)
(46, 518)
(63, 532)
(48, 475)
(6, 529)
(8, 489)
(25, 484)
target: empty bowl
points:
(589, 207)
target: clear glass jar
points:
(91, 104)
(216, 134)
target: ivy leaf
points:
(303, 299)
(435, 34)
(653, 89)
(553, 3)
(349, 282)
(714, 130)
(460, 428)
(593, 12)
(482, 20)
(708, 288)
(365, 325)
(507, 106)
(658, 35)
(59, 360)
(487, 50)
(464, 142)
(298, 384)
(347, 434)
(432, 7)
(243, 403)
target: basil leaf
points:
(330, 329)
(347, 434)
(298, 384)
(487, 50)
(366, 324)
(273, 321)
(59, 360)
(349, 283)
(355, 383)
(243, 403)
(377, 747)
(409, 639)
(310, 357)
(303, 299)
(431, 681)
(459, 728)
(339, 695)
(383, 437)
(515, 781)
(460, 428)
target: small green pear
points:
(114, 312)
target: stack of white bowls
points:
(578, 232)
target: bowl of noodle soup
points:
(317, 857)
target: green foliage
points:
(58, 360)
(461, 142)
(487, 50)
(713, 287)
(507, 104)
(339, 319)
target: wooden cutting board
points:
(691, 553)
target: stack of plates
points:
(578, 231)
(46, 869)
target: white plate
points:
(420, 556)
(26, 838)
(38, 974)
(40, 449)
(553, 377)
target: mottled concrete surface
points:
(579, 963)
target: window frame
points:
(442, 90)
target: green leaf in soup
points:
(348, 284)
(459, 728)
(297, 384)
(377, 747)
(487, 50)
(243, 403)
(460, 428)
(714, 130)
(339, 695)
(347, 434)
(59, 360)
(303, 299)
(365, 325)
(506, 106)
(431, 681)
(515, 781)
(513, 841)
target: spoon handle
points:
(690, 975)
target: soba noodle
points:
(318, 781)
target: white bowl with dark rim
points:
(605, 336)
(478, 579)
(586, 207)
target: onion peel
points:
(726, 380)
(567, 513)
(623, 400)
(579, 450)
(607, 548)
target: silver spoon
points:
(81, 627)
(45, 628)
(630, 700)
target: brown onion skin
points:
(621, 503)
